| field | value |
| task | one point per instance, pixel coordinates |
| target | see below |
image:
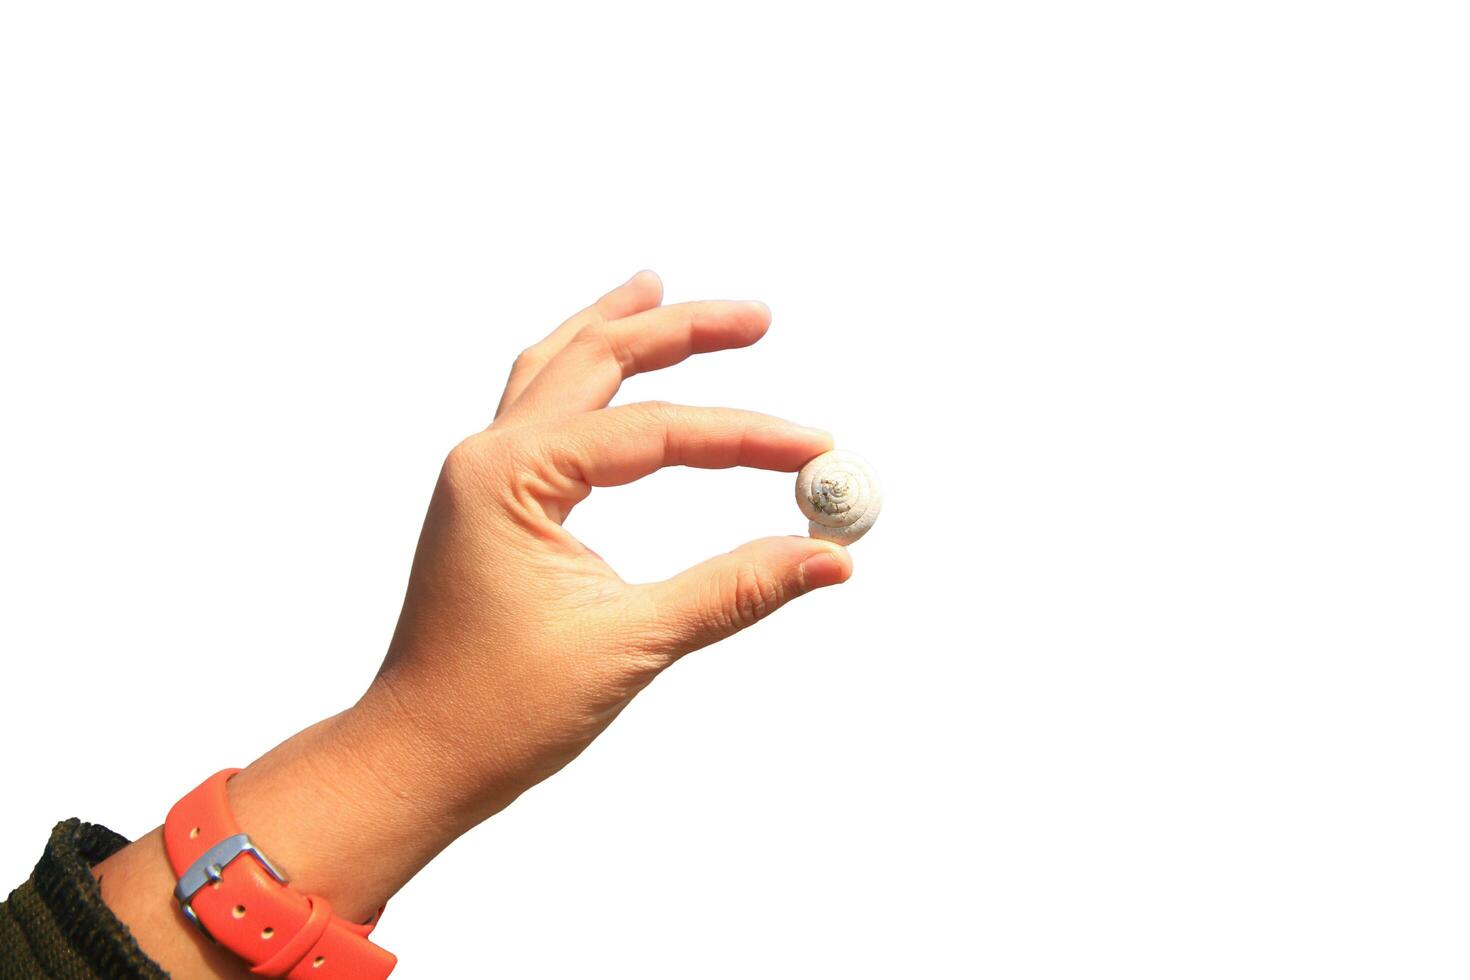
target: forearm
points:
(349, 808)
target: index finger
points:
(613, 446)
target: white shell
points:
(839, 494)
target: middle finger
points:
(587, 372)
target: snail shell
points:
(839, 494)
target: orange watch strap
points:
(240, 900)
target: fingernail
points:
(823, 569)
(813, 432)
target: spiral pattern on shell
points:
(840, 495)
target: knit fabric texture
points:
(56, 924)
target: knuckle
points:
(460, 465)
(593, 334)
(468, 466)
(754, 594)
(654, 411)
(457, 474)
(598, 341)
(652, 416)
(530, 359)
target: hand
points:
(516, 645)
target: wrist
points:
(316, 807)
(343, 809)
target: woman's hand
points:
(516, 645)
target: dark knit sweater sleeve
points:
(56, 924)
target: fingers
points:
(642, 292)
(587, 371)
(724, 595)
(614, 446)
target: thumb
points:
(722, 596)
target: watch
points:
(240, 900)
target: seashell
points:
(840, 495)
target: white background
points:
(1152, 317)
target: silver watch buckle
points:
(208, 868)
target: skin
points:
(516, 645)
